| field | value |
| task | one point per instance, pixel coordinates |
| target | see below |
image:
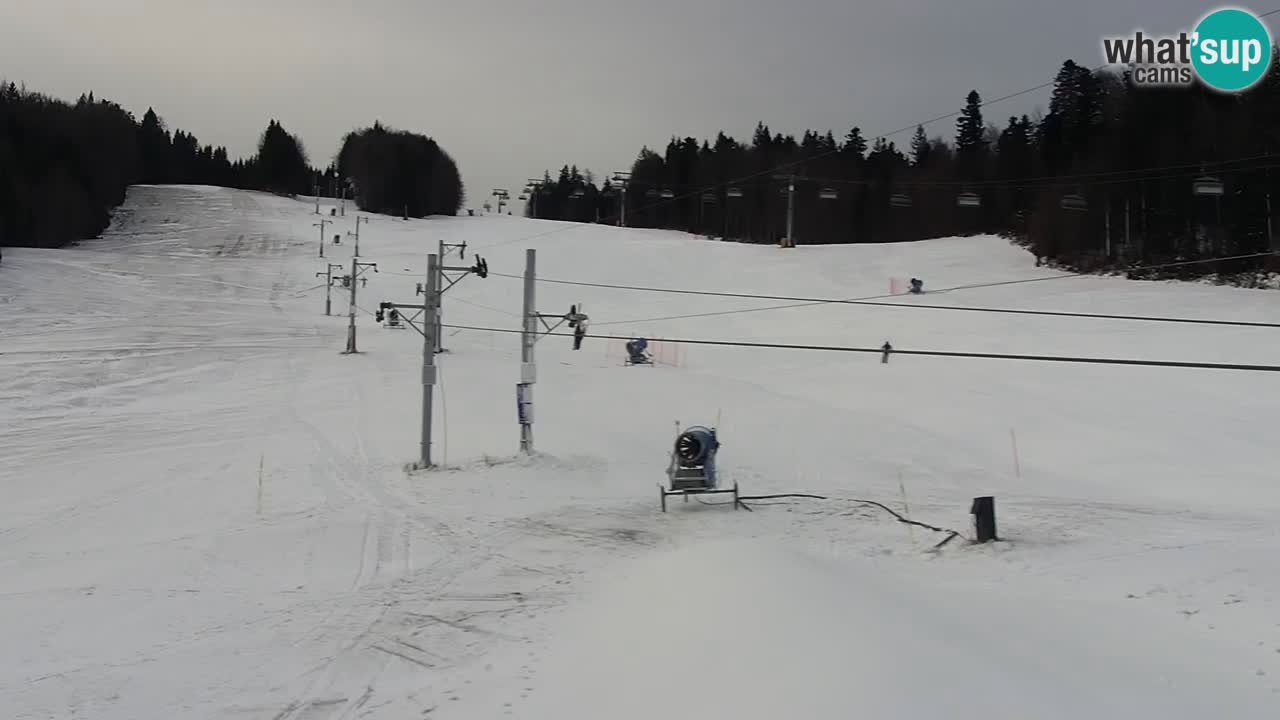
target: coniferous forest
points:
(1112, 175)
(397, 172)
(65, 166)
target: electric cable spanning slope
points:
(925, 353)
(876, 300)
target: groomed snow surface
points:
(207, 513)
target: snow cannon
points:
(692, 467)
(696, 447)
(637, 352)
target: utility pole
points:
(321, 225)
(534, 189)
(347, 184)
(1127, 239)
(356, 266)
(528, 339)
(528, 370)
(503, 196)
(791, 207)
(444, 282)
(1271, 239)
(1106, 215)
(791, 211)
(622, 179)
(429, 340)
(328, 285)
(437, 320)
(428, 311)
(359, 219)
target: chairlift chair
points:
(1207, 185)
(900, 200)
(968, 199)
(1074, 202)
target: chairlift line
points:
(926, 353)
(879, 300)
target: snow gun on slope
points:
(692, 467)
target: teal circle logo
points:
(1232, 50)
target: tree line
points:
(1114, 174)
(64, 167)
(397, 172)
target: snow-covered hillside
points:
(207, 514)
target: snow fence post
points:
(984, 519)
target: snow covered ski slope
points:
(207, 514)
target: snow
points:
(207, 512)
(856, 638)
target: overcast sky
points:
(512, 87)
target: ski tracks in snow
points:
(361, 493)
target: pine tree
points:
(855, 144)
(971, 137)
(282, 161)
(155, 148)
(920, 148)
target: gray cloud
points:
(512, 87)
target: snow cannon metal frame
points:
(692, 468)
